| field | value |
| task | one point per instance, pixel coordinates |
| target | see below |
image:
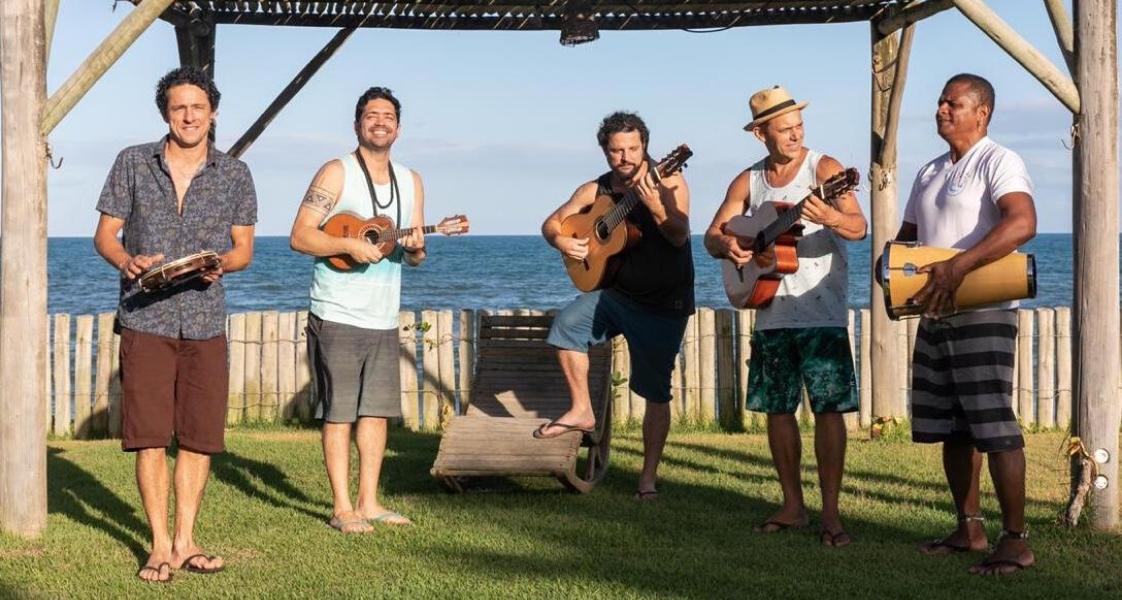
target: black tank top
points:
(654, 273)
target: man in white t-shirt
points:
(977, 198)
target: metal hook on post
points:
(51, 159)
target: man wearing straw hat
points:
(801, 337)
(170, 198)
(976, 197)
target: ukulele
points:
(773, 225)
(380, 231)
(601, 223)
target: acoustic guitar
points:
(381, 232)
(601, 223)
(773, 225)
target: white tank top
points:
(817, 294)
(368, 296)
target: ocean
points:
(467, 272)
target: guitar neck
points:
(397, 234)
(619, 212)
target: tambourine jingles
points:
(179, 271)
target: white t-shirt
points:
(954, 205)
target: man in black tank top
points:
(648, 299)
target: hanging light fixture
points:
(578, 24)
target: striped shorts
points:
(962, 380)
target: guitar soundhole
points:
(602, 231)
(372, 236)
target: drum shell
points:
(1012, 277)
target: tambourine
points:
(178, 272)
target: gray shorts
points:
(357, 371)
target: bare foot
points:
(784, 519)
(193, 559)
(970, 536)
(1012, 554)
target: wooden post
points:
(235, 401)
(1023, 381)
(269, 380)
(1095, 233)
(744, 323)
(728, 405)
(621, 405)
(1063, 367)
(853, 419)
(1065, 37)
(446, 357)
(707, 365)
(637, 405)
(408, 331)
(289, 92)
(98, 62)
(62, 375)
(677, 394)
(83, 357)
(1023, 52)
(253, 366)
(286, 365)
(887, 372)
(23, 270)
(691, 371)
(866, 380)
(1045, 368)
(303, 369)
(915, 12)
(430, 370)
(467, 357)
(50, 17)
(113, 417)
(100, 421)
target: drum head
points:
(179, 271)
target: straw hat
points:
(770, 103)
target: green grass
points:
(268, 500)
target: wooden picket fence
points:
(270, 380)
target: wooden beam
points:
(891, 130)
(1061, 24)
(289, 92)
(1023, 52)
(914, 13)
(887, 383)
(50, 15)
(23, 270)
(99, 61)
(1095, 320)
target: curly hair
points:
(182, 76)
(622, 122)
(377, 93)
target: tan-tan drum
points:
(1010, 278)
(179, 271)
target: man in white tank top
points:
(352, 325)
(977, 197)
(800, 339)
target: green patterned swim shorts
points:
(783, 360)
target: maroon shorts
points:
(172, 387)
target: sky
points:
(501, 125)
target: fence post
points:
(62, 375)
(1045, 367)
(253, 366)
(83, 358)
(728, 405)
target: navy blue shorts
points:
(652, 339)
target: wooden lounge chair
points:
(518, 386)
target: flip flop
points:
(645, 496)
(340, 525)
(391, 518)
(190, 568)
(157, 569)
(779, 526)
(831, 539)
(930, 548)
(540, 434)
(1000, 562)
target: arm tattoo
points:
(318, 199)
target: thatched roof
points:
(526, 14)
